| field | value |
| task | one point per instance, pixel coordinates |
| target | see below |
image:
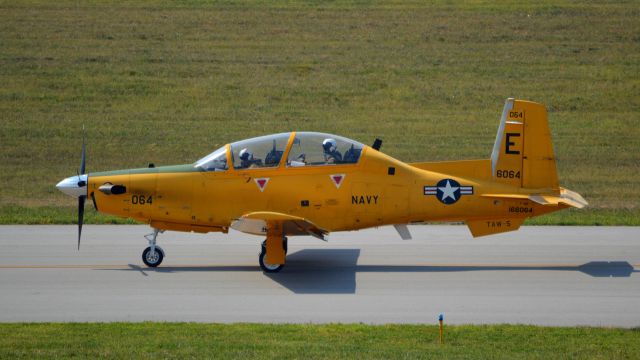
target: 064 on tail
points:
(308, 183)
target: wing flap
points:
(257, 223)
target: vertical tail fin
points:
(523, 154)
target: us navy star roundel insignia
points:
(448, 191)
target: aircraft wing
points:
(257, 223)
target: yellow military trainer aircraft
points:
(308, 183)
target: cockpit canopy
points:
(261, 152)
(312, 148)
(306, 149)
(216, 161)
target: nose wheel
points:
(153, 255)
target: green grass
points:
(168, 82)
(45, 215)
(589, 216)
(189, 340)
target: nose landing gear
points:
(153, 255)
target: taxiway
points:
(538, 275)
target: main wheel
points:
(285, 245)
(265, 266)
(152, 260)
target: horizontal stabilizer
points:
(572, 198)
(566, 197)
(493, 226)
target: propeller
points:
(81, 183)
(76, 186)
(81, 201)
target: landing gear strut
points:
(262, 259)
(153, 255)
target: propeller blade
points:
(81, 200)
(82, 161)
(81, 183)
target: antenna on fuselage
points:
(377, 144)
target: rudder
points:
(523, 155)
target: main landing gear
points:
(262, 259)
(272, 256)
(153, 255)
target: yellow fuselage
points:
(378, 190)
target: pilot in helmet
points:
(331, 153)
(246, 158)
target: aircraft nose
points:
(74, 186)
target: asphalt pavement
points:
(538, 275)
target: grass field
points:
(168, 82)
(243, 341)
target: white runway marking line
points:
(493, 266)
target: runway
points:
(538, 275)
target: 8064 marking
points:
(508, 174)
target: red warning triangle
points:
(337, 179)
(262, 183)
